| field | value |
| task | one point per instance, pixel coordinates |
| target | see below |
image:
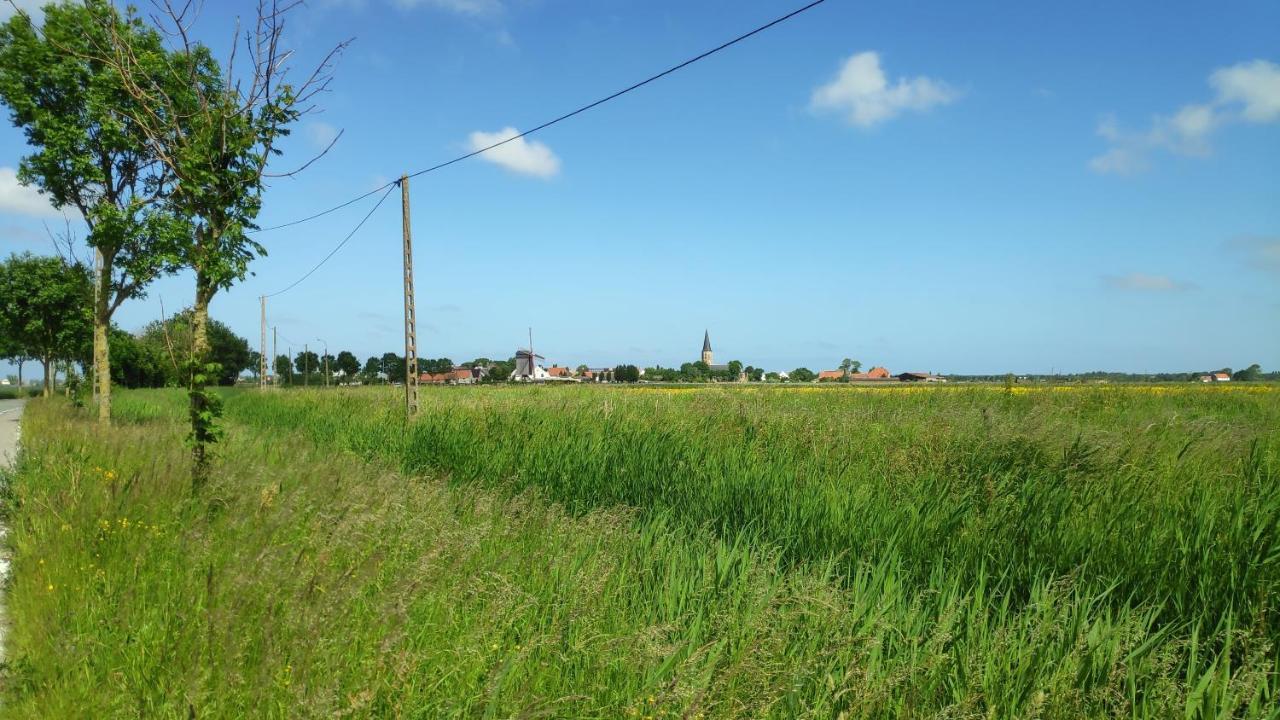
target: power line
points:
(339, 245)
(322, 213)
(566, 116)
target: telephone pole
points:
(410, 318)
(262, 354)
(275, 349)
(326, 361)
(306, 365)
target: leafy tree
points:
(255, 364)
(392, 365)
(626, 373)
(168, 340)
(306, 362)
(500, 371)
(214, 133)
(802, 374)
(87, 153)
(735, 370)
(438, 365)
(755, 375)
(772, 377)
(44, 310)
(349, 364)
(1251, 373)
(283, 367)
(372, 367)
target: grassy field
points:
(656, 552)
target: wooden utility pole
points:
(262, 354)
(275, 349)
(410, 318)
(289, 351)
(306, 365)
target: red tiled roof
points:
(826, 374)
(557, 371)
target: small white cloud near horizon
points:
(518, 156)
(862, 93)
(1244, 92)
(22, 199)
(1144, 282)
(474, 8)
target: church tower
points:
(706, 347)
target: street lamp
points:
(326, 361)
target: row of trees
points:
(161, 149)
(44, 313)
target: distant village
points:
(527, 366)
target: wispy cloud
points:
(1143, 282)
(321, 134)
(519, 156)
(862, 93)
(22, 199)
(1262, 253)
(1245, 92)
(475, 8)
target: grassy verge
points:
(306, 582)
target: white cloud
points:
(1142, 282)
(520, 156)
(22, 199)
(475, 8)
(321, 134)
(864, 95)
(1120, 161)
(1248, 92)
(1256, 85)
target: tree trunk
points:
(202, 405)
(200, 323)
(102, 342)
(48, 376)
(20, 389)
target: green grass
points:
(574, 552)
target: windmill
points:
(527, 369)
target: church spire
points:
(706, 341)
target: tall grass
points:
(1167, 495)
(738, 554)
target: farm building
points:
(920, 378)
(456, 376)
(875, 373)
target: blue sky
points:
(978, 187)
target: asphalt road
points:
(10, 414)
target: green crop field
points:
(660, 552)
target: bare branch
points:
(310, 162)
